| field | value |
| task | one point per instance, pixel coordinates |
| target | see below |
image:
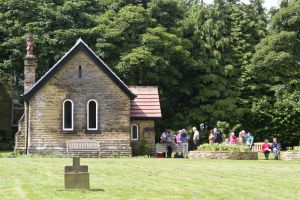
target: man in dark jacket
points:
(170, 139)
(276, 148)
(218, 136)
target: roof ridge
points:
(76, 47)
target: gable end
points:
(80, 45)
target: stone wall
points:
(45, 108)
(223, 155)
(146, 131)
(290, 155)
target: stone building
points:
(80, 97)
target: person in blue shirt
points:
(185, 143)
(250, 140)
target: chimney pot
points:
(29, 65)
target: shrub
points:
(223, 127)
(223, 147)
(293, 149)
(297, 148)
(144, 148)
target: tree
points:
(280, 118)
(276, 61)
(119, 32)
(214, 94)
(55, 26)
(161, 60)
(274, 72)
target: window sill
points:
(68, 132)
(93, 132)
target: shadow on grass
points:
(92, 190)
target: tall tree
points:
(274, 74)
(213, 94)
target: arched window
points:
(134, 132)
(92, 115)
(68, 115)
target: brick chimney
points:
(29, 65)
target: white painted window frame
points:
(137, 132)
(72, 115)
(87, 115)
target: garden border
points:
(223, 155)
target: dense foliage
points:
(223, 148)
(294, 149)
(224, 61)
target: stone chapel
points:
(80, 97)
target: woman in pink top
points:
(233, 139)
(178, 137)
(266, 149)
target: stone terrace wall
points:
(291, 156)
(223, 155)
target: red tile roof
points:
(146, 104)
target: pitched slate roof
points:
(79, 45)
(146, 104)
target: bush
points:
(144, 148)
(278, 117)
(141, 148)
(223, 127)
(223, 147)
(293, 149)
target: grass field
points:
(150, 178)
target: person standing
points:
(218, 136)
(169, 140)
(178, 142)
(276, 148)
(163, 136)
(196, 137)
(250, 140)
(185, 143)
(266, 149)
(178, 137)
(211, 137)
(246, 135)
(233, 138)
(242, 139)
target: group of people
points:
(244, 138)
(215, 136)
(267, 149)
(182, 138)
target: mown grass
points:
(150, 178)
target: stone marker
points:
(76, 176)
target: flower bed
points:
(223, 155)
(224, 152)
(223, 148)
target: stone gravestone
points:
(76, 176)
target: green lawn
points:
(150, 178)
